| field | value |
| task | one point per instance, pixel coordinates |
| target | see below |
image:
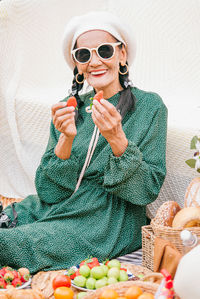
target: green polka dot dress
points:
(58, 228)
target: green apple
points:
(84, 270)
(113, 272)
(105, 278)
(90, 283)
(105, 269)
(97, 272)
(112, 280)
(114, 263)
(100, 283)
(123, 276)
(80, 281)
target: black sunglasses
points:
(104, 51)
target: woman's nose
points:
(95, 60)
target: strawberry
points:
(123, 269)
(2, 272)
(91, 262)
(24, 274)
(23, 271)
(82, 263)
(72, 273)
(98, 96)
(16, 274)
(25, 277)
(77, 273)
(94, 262)
(8, 269)
(16, 282)
(8, 277)
(2, 283)
(72, 276)
(106, 262)
(72, 102)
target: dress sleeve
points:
(138, 174)
(55, 178)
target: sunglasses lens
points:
(106, 51)
(82, 55)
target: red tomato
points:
(72, 102)
(61, 281)
(98, 96)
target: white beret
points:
(97, 20)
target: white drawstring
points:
(94, 146)
(91, 148)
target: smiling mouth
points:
(98, 73)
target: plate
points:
(130, 275)
(25, 285)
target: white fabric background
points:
(34, 75)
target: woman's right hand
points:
(63, 119)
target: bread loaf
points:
(166, 213)
(192, 195)
(187, 217)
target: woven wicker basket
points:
(171, 234)
(121, 288)
(148, 239)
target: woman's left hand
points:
(108, 121)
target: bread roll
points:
(166, 213)
(187, 217)
(192, 194)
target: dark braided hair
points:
(76, 87)
(127, 99)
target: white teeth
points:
(98, 72)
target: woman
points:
(100, 169)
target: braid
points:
(127, 99)
(76, 87)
